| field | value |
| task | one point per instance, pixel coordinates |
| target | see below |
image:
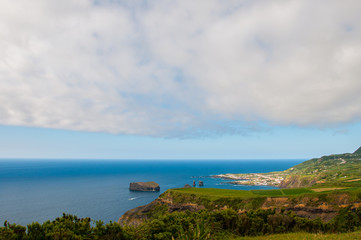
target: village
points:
(256, 179)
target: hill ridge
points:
(358, 151)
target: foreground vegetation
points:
(308, 236)
(228, 214)
(224, 224)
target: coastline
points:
(254, 179)
(44, 190)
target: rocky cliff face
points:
(144, 186)
(140, 214)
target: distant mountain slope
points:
(337, 169)
(358, 151)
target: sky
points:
(181, 79)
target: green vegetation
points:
(204, 224)
(181, 195)
(213, 222)
(296, 191)
(216, 199)
(333, 170)
(215, 193)
(212, 193)
(276, 192)
(66, 227)
(304, 236)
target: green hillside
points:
(335, 170)
(358, 151)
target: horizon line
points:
(152, 159)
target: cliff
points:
(305, 203)
(144, 186)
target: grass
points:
(215, 192)
(304, 236)
(213, 198)
(327, 189)
(281, 192)
(296, 191)
(268, 193)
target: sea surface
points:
(41, 190)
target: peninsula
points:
(336, 169)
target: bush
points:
(204, 224)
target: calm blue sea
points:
(33, 190)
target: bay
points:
(38, 190)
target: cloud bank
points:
(179, 68)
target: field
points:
(327, 189)
(296, 191)
(212, 198)
(214, 192)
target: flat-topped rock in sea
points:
(144, 186)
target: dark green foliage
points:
(346, 221)
(295, 191)
(36, 231)
(200, 231)
(12, 232)
(186, 225)
(157, 211)
(65, 227)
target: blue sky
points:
(179, 79)
(278, 143)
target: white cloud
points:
(179, 68)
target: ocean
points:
(41, 190)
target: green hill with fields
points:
(332, 170)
